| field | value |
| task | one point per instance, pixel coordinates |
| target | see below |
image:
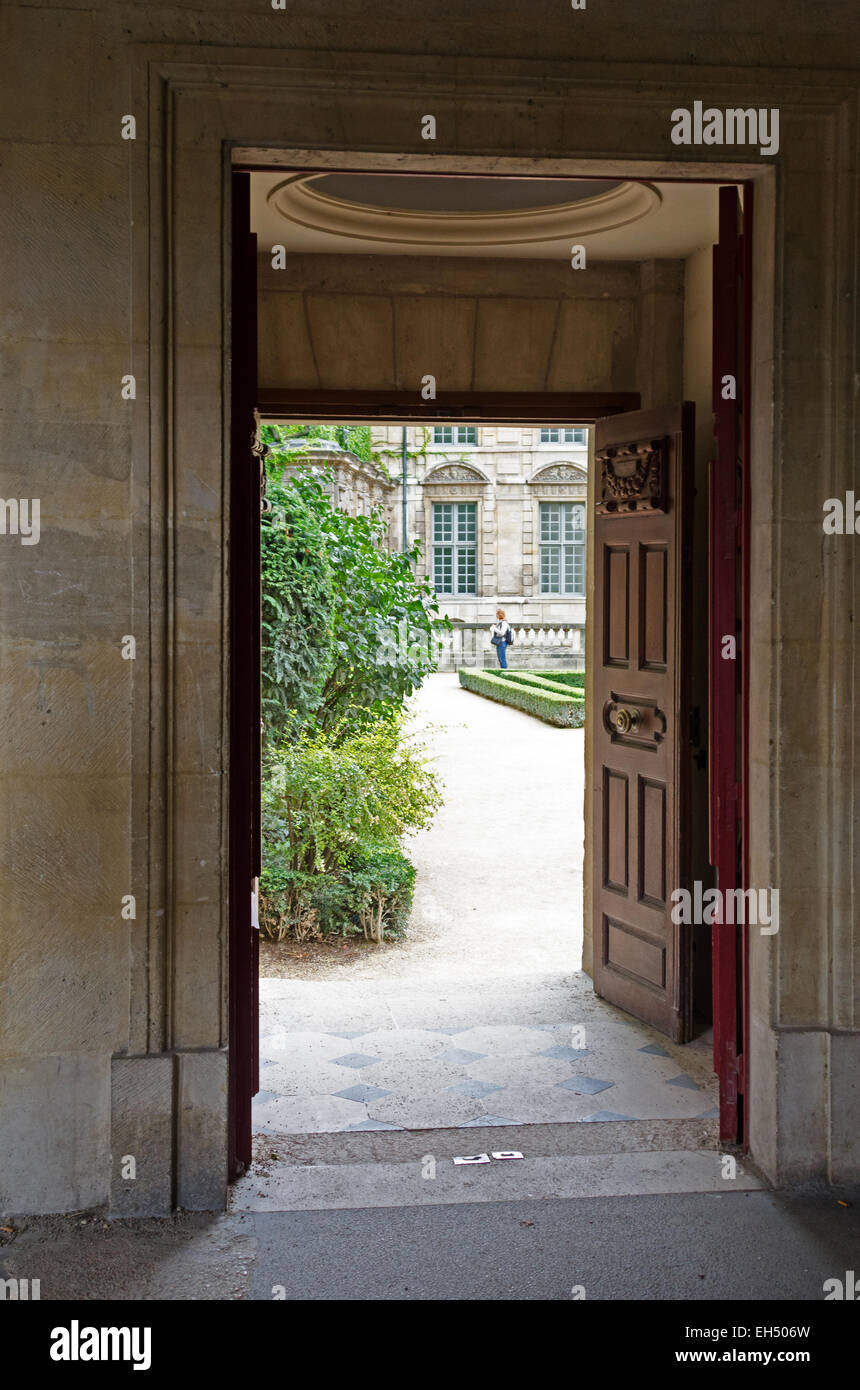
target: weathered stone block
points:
(201, 1154)
(844, 1107)
(142, 1130)
(54, 1133)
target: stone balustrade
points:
(538, 646)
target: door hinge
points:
(255, 903)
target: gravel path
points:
(499, 888)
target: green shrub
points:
(380, 883)
(301, 905)
(371, 895)
(567, 710)
(333, 816)
(542, 682)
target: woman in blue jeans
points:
(500, 636)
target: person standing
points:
(501, 637)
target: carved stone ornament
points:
(455, 473)
(633, 478)
(559, 473)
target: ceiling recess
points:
(459, 212)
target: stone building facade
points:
(499, 513)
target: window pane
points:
(549, 569)
(466, 570)
(574, 521)
(443, 570)
(568, 569)
(467, 434)
(443, 521)
(579, 436)
(579, 569)
(467, 521)
(550, 521)
(443, 434)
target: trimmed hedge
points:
(566, 710)
(542, 682)
(576, 679)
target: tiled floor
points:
(430, 1078)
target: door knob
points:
(627, 721)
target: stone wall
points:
(113, 1025)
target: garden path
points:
(470, 1020)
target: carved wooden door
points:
(639, 689)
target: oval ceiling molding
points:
(437, 193)
(297, 200)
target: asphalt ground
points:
(754, 1246)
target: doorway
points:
(456, 406)
(394, 1035)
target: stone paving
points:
(481, 1017)
(449, 1077)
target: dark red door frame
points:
(244, 717)
(746, 513)
(729, 614)
(728, 679)
(407, 407)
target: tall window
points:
(563, 436)
(455, 547)
(455, 434)
(562, 548)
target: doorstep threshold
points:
(435, 1180)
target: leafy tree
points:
(386, 626)
(348, 634)
(348, 630)
(298, 595)
(355, 438)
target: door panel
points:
(244, 752)
(640, 701)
